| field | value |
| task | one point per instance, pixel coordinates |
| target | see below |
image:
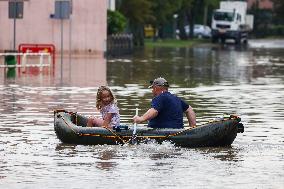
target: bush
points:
(266, 31)
(277, 30)
(116, 22)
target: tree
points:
(163, 11)
(183, 13)
(209, 6)
(116, 22)
(138, 13)
(262, 20)
(279, 11)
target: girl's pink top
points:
(114, 110)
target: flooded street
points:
(248, 81)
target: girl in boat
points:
(106, 104)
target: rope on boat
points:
(180, 132)
(115, 136)
(124, 142)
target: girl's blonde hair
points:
(99, 102)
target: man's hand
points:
(150, 114)
(137, 119)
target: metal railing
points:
(24, 63)
(119, 44)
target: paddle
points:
(133, 139)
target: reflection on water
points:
(214, 80)
(224, 154)
(83, 70)
(196, 66)
(106, 161)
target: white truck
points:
(231, 21)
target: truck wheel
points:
(214, 39)
(238, 40)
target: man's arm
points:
(150, 114)
(191, 117)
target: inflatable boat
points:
(70, 127)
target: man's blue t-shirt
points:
(170, 111)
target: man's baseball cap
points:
(159, 82)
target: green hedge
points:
(274, 30)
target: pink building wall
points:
(85, 32)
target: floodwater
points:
(214, 80)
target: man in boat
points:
(166, 109)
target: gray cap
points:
(159, 82)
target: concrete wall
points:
(84, 32)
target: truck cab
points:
(230, 22)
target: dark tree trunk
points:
(180, 25)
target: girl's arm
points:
(107, 120)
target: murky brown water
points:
(249, 82)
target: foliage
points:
(116, 22)
(268, 22)
(138, 13)
(163, 11)
(262, 17)
(279, 11)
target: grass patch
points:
(174, 42)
